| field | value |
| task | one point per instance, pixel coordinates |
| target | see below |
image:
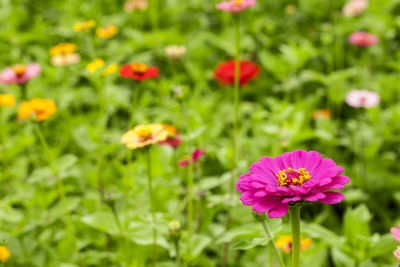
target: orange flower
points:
(321, 113)
(285, 243)
(7, 100)
(4, 254)
(144, 135)
(42, 109)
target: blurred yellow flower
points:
(95, 65)
(84, 25)
(4, 254)
(63, 49)
(110, 69)
(42, 109)
(7, 100)
(107, 31)
(144, 135)
(285, 243)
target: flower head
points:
(363, 39)
(7, 100)
(175, 51)
(396, 232)
(397, 254)
(354, 7)
(362, 99)
(5, 254)
(84, 25)
(110, 69)
(321, 114)
(285, 243)
(196, 155)
(20, 73)
(95, 65)
(225, 72)
(298, 176)
(41, 109)
(64, 54)
(144, 135)
(235, 5)
(173, 139)
(107, 31)
(138, 71)
(132, 5)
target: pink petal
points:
(278, 211)
(332, 198)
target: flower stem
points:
(151, 196)
(294, 213)
(3, 146)
(235, 147)
(177, 258)
(273, 246)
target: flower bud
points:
(174, 228)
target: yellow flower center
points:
(139, 68)
(143, 132)
(19, 69)
(238, 2)
(291, 176)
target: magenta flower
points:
(235, 5)
(20, 73)
(363, 39)
(274, 183)
(195, 157)
(396, 232)
(362, 99)
(173, 142)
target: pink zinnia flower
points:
(354, 7)
(195, 157)
(396, 232)
(20, 73)
(363, 39)
(235, 5)
(362, 99)
(274, 183)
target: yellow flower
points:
(175, 51)
(107, 31)
(144, 135)
(84, 25)
(285, 243)
(63, 49)
(7, 100)
(110, 69)
(95, 65)
(42, 109)
(4, 254)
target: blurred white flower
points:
(175, 51)
(362, 99)
(354, 7)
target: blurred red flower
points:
(195, 157)
(138, 71)
(225, 72)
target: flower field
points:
(200, 133)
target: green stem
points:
(151, 196)
(2, 144)
(273, 246)
(177, 259)
(154, 14)
(235, 135)
(294, 213)
(102, 128)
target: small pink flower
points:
(396, 232)
(354, 7)
(363, 39)
(20, 73)
(362, 99)
(235, 5)
(173, 142)
(195, 157)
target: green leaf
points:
(102, 221)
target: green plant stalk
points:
(103, 125)
(60, 185)
(88, 39)
(294, 213)
(235, 135)
(135, 101)
(2, 143)
(273, 246)
(154, 14)
(177, 258)
(151, 197)
(190, 178)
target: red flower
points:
(138, 71)
(225, 72)
(195, 157)
(173, 142)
